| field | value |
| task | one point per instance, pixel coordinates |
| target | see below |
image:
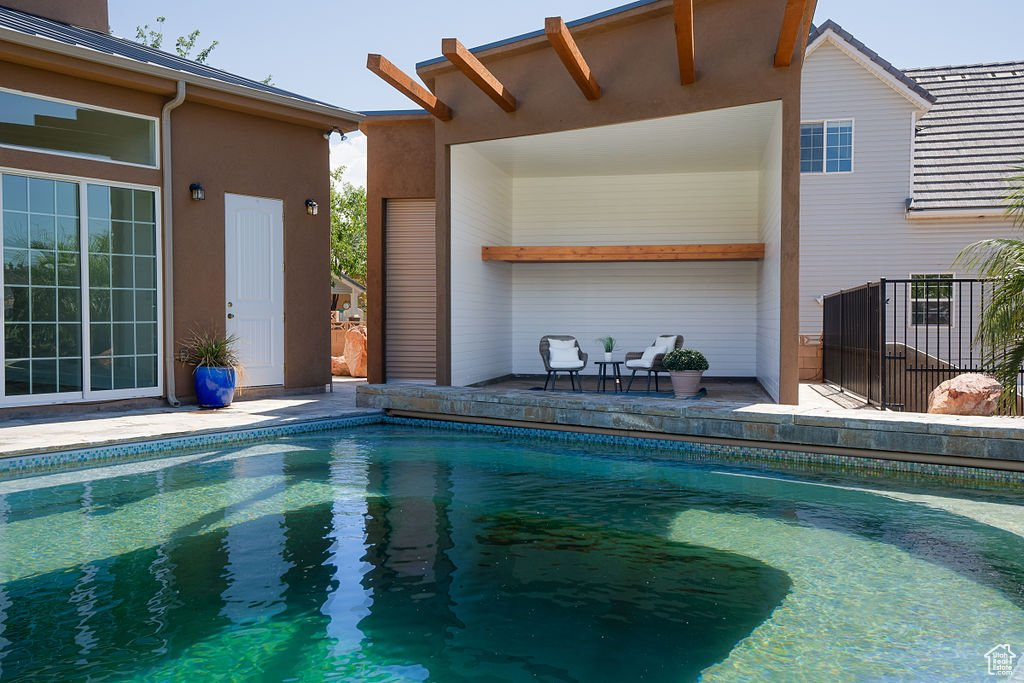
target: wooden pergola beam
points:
(405, 84)
(789, 34)
(467, 63)
(683, 13)
(805, 24)
(568, 51)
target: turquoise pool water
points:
(392, 553)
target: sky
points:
(318, 47)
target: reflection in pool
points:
(395, 553)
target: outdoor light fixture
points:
(198, 193)
(312, 208)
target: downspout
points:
(168, 229)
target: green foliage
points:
(210, 350)
(184, 45)
(681, 360)
(608, 343)
(348, 228)
(1001, 329)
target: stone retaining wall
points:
(996, 443)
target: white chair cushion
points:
(639, 364)
(566, 365)
(562, 343)
(564, 355)
(649, 353)
(668, 343)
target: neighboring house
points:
(549, 168)
(900, 171)
(145, 196)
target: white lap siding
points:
(714, 305)
(853, 225)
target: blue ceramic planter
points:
(215, 387)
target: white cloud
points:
(352, 155)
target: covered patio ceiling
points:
(723, 140)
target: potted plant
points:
(686, 367)
(215, 360)
(609, 345)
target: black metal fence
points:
(892, 342)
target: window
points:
(826, 147)
(77, 130)
(77, 327)
(931, 299)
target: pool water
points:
(394, 553)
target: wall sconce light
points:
(198, 193)
(312, 208)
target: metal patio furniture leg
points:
(631, 378)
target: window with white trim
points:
(80, 281)
(71, 129)
(931, 299)
(826, 146)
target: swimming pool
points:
(400, 553)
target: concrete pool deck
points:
(78, 429)
(818, 425)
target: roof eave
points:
(338, 114)
(915, 94)
(979, 213)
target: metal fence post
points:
(883, 397)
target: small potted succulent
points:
(216, 367)
(608, 343)
(686, 367)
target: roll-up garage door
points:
(410, 325)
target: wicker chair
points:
(634, 363)
(553, 368)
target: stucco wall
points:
(281, 161)
(400, 153)
(227, 151)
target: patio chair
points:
(649, 360)
(562, 353)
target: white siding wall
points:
(714, 305)
(481, 214)
(853, 226)
(770, 270)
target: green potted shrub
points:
(608, 344)
(215, 365)
(686, 367)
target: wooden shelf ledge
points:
(620, 253)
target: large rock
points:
(970, 394)
(355, 351)
(339, 368)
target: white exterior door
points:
(254, 285)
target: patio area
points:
(84, 427)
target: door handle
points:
(230, 316)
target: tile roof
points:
(31, 25)
(972, 141)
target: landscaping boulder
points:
(339, 368)
(355, 351)
(969, 394)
